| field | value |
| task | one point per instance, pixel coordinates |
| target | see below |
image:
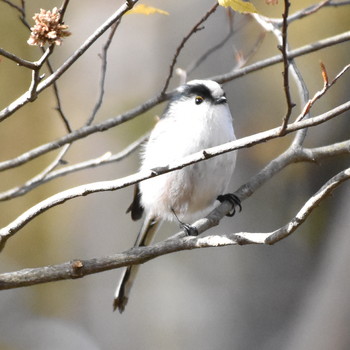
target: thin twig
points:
(281, 36)
(194, 65)
(291, 67)
(337, 3)
(21, 10)
(50, 175)
(35, 181)
(18, 60)
(103, 72)
(83, 132)
(301, 51)
(195, 29)
(59, 107)
(36, 77)
(326, 190)
(23, 14)
(310, 10)
(63, 9)
(283, 48)
(326, 86)
(242, 61)
(42, 179)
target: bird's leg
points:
(190, 230)
(233, 199)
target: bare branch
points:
(291, 155)
(83, 132)
(283, 48)
(103, 72)
(112, 122)
(50, 175)
(319, 153)
(315, 8)
(113, 185)
(36, 77)
(327, 85)
(21, 11)
(80, 268)
(59, 108)
(310, 10)
(18, 60)
(309, 206)
(304, 50)
(195, 29)
(242, 60)
(216, 47)
(37, 180)
(36, 66)
(289, 66)
(63, 9)
(336, 3)
(22, 100)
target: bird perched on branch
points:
(197, 117)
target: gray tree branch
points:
(79, 268)
(49, 174)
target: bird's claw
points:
(190, 230)
(233, 199)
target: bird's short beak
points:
(220, 100)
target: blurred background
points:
(294, 295)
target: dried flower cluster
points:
(47, 28)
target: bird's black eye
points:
(199, 100)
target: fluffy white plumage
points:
(198, 117)
(187, 128)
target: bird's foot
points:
(190, 230)
(233, 199)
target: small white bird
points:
(197, 117)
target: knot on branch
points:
(206, 155)
(77, 269)
(158, 170)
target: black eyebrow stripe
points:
(199, 89)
